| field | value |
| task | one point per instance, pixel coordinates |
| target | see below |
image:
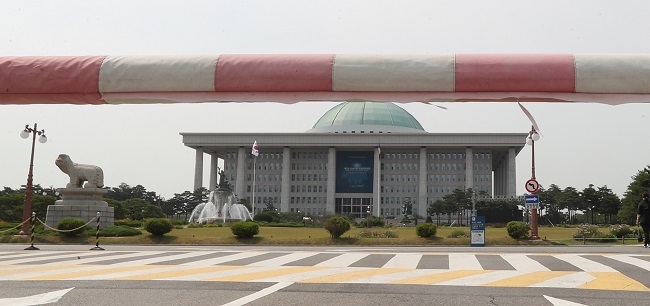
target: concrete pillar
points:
(512, 173)
(198, 169)
(331, 180)
(423, 202)
(469, 168)
(286, 180)
(376, 190)
(214, 164)
(240, 183)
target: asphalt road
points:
(153, 275)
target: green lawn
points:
(318, 236)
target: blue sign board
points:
(354, 171)
(477, 231)
(532, 199)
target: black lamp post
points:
(28, 193)
(533, 136)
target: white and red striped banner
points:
(611, 79)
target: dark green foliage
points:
(621, 231)
(158, 226)
(245, 229)
(69, 224)
(426, 230)
(119, 231)
(264, 216)
(458, 233)
(374, 222)
(518, 229)
(428, 220)
(129, 222)
(337, 226)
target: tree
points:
(124, 192)
(590, 200)
(570, 200)
(631, 198)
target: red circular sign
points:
(532, 185)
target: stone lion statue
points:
(79, 173)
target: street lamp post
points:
(28, 192)
(533, 136)
(368, 222)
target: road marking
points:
(558, 302)
(528, 279)
(260, 294)
(584, 264)
(521, 262)
(247, 277)
(462, 261)
(439, 276)
(343, 260)
(406, 261)
(39, 299)
(348, 276)
(613, 281)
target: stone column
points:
(285, 191)
(512, 173)
(331, 180)
(214, 163)
(469, 168)
(423, 202)
(377, 183)
(198, 169)
(241, 173)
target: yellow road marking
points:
(347, 276)
(264, 274)
(528, 279)
(21, 270)
(90, 273)
(184, 272)
(613, 281)
(439, 277)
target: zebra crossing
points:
(582, 271)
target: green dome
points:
(367, 117)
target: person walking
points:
(643, 217)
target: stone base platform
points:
(81, 203)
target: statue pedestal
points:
(81, 203)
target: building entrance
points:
(354, 206)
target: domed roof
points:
(367, 117)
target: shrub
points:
(245, 229)
(72, 226)
(586, 231)
(158, 226)
(119, 231)
(263, 217)
(602, 237)
(428, 220)
(388, 233)
(621, 231)
(129, 222)
(518, 229)
(458, 233)
(336, 226)
(374, 222)
(426, 230)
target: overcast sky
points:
(583, 143)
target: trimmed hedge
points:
(337, 226)
(518, 229)
(426, 230)
(158, 226)
(245, 229)
(71, 223)
(119, 231)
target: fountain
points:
(221, 206)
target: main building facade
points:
(358, 157)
